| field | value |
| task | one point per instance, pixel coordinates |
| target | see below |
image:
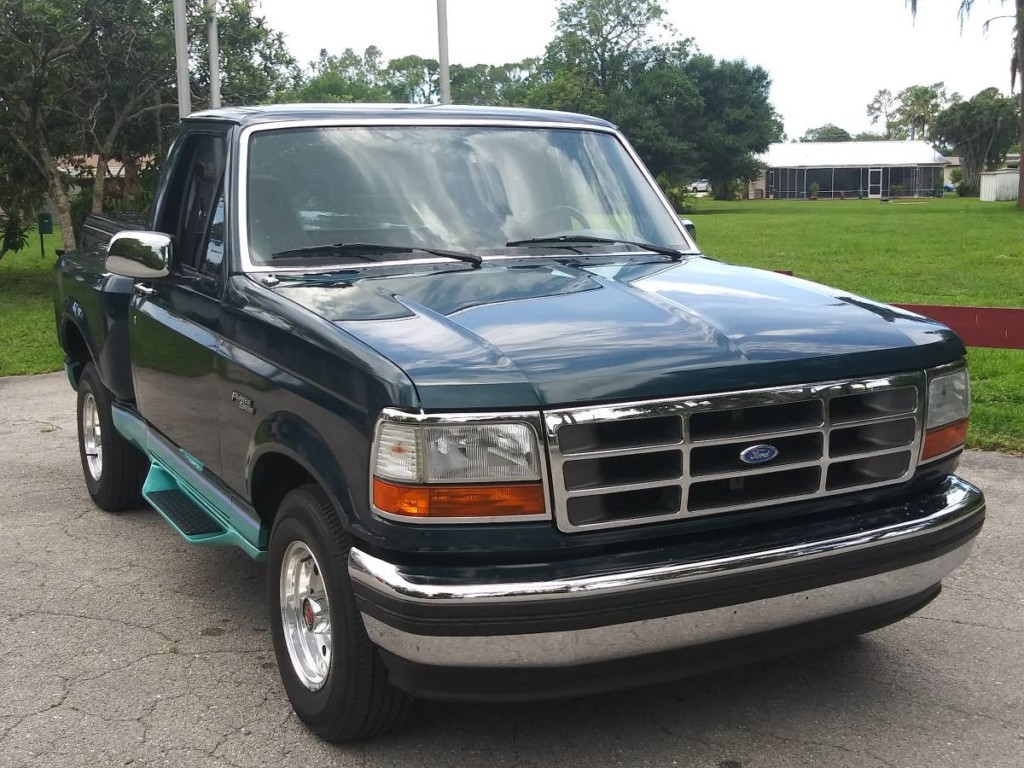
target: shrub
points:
(677, 194)
(895, 190)
(815, 189)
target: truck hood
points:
(542, 332)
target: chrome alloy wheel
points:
(305, 615)
(92, 436)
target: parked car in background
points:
(700, 186)
(466, 383)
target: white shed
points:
(1000, 185)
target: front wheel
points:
(332, 673)
(114, 469)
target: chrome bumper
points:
(951, 521)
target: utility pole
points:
(442, 45)
(211, 36)
(181, 58)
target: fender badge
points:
(243, 402)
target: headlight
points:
(457, 470)
(949, 404)
(949, 398)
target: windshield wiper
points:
(567, 241)
(368, 250)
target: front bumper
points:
(727, 598)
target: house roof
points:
(833, 154)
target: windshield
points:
(465, 188)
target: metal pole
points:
(442, 45)
(181, 58)
(211, 35)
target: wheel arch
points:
(77, 352)
(287, 453)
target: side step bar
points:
(201, 510)
(187, 517)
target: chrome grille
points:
(637, 463)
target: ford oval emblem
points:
(758, 454)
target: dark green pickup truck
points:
(498, 428)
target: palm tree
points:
(1016, 61)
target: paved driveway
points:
(122, 645)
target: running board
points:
(188, 518)
(193, 503)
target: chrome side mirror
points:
(142, 255)
(690, 227)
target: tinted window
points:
(214, 255)
(472, 188)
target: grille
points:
(649, 462)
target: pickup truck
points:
(466, 383)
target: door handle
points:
(144, 290)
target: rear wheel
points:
(114, 469)
(332, 673)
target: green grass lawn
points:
(948, 251)
(28, 337)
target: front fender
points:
(292, 436)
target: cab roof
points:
(400, 113)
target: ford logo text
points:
(758, 454)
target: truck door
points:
(176, 320)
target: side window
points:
(214, 252)
(197, 188)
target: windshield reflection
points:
(466, 188)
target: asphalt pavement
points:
(123, 645)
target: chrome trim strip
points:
(962, 501)
(616, 641)
(342, 121)
(822, 392)
(598, 490)
(529, 418)
(755, 470)
(614, 452)
(748, 437)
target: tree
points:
(127, 72)
(22, 189)
(917, 108)
(1016, 63)
(40, 54)
(95, 77)
(501, 85)
(256, 66)
(348, 77)
(981, 131)
(827, 132)
(883, 107)
(602, 38)
(738, 121)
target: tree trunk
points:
(99, 182)
(59, 197)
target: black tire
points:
(117, 485)
(356, 700)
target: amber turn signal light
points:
(944, 439)
(476, 500)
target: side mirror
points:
(142, 255)
(690, 227)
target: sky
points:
(827, 58)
